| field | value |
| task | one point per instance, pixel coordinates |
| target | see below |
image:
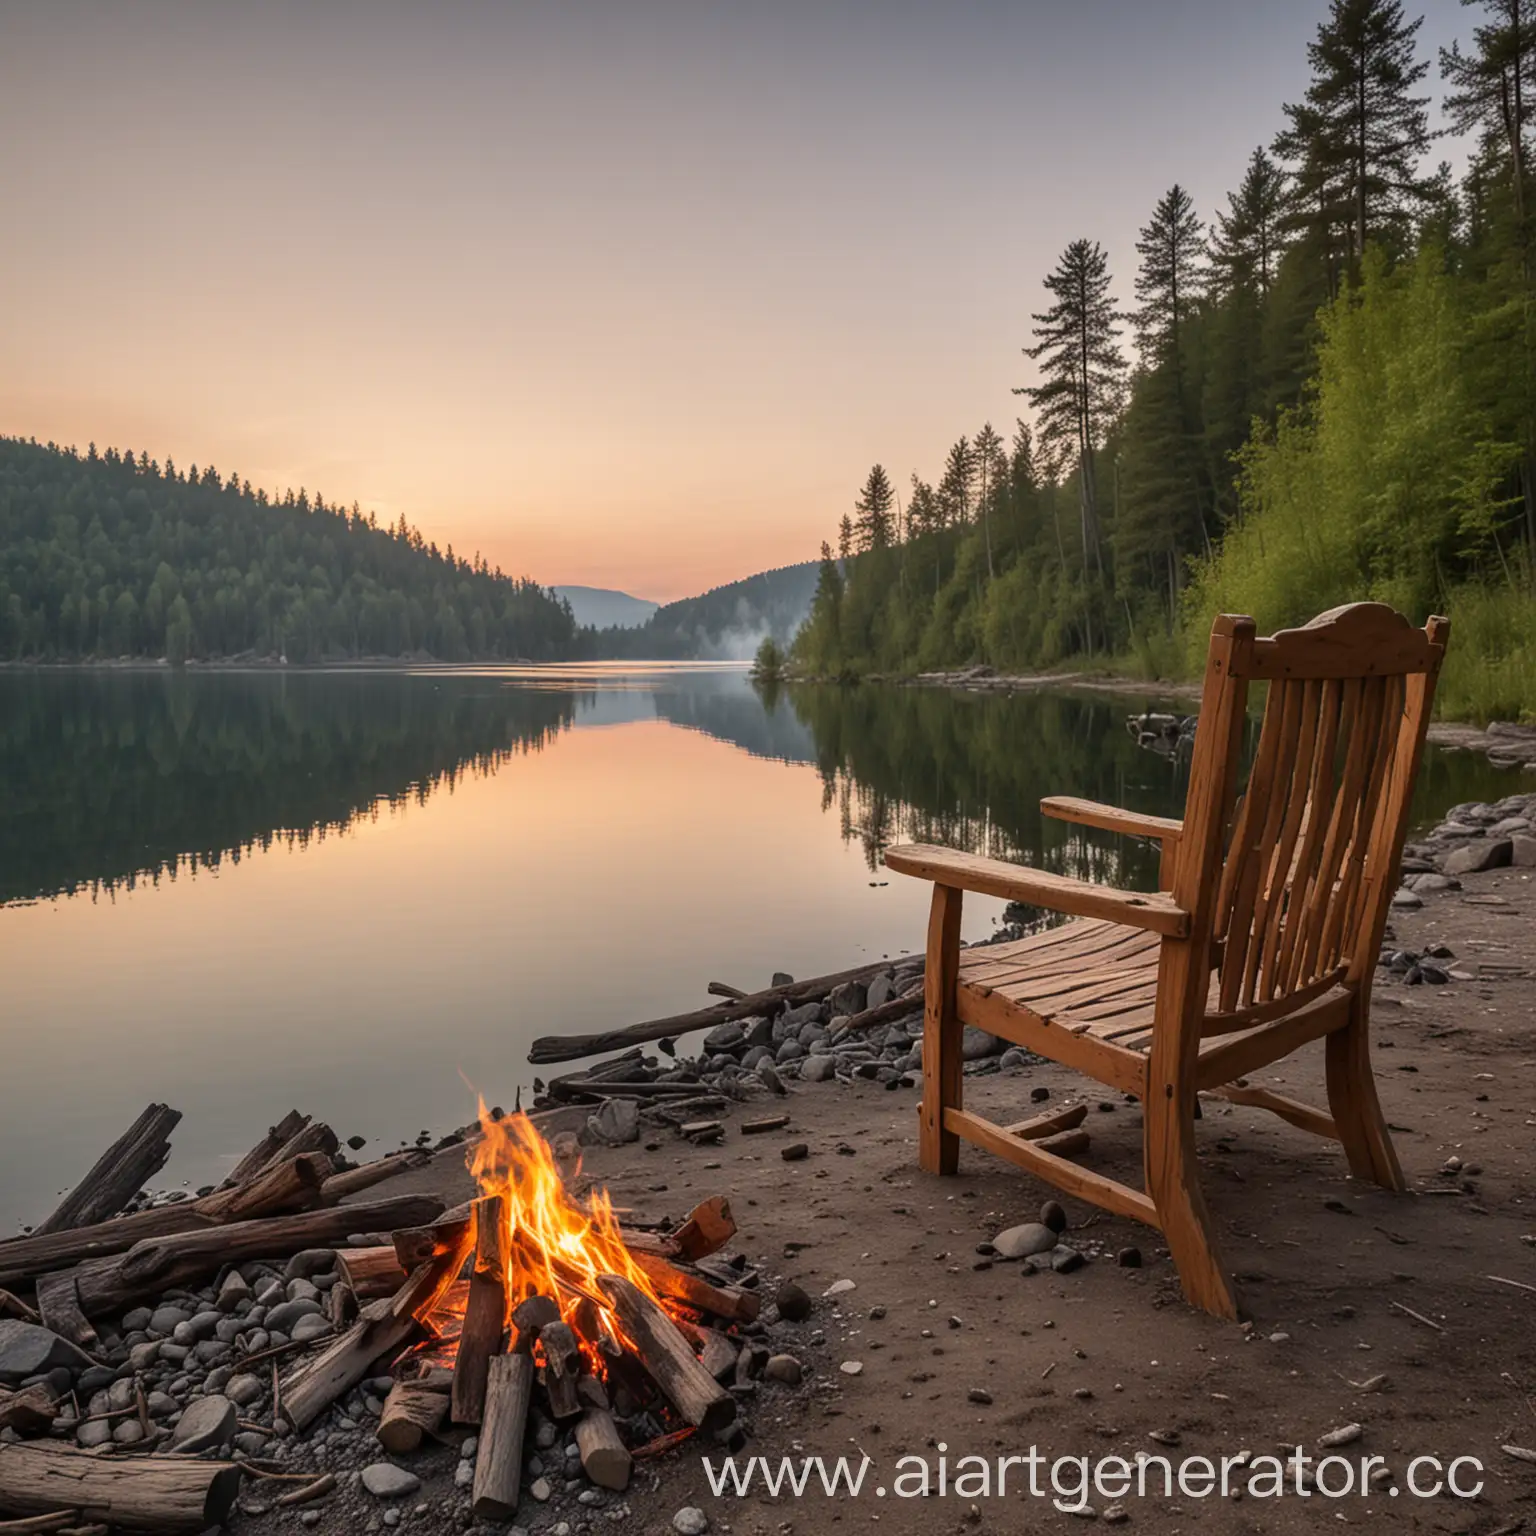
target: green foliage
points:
(108, 555)
(768, 664)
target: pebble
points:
(1022, 1241)
(784, 1368)
(851, 1367)
(209, 1422)
(978, 1395)
(840, 1288)
(245, 1389)
(1129, 1258)
(690, 1521)
(1053, 1216)
(1345, 1434)
(540, 1489)
(384, 1480)
(794, 1304)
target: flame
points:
(559, 1246)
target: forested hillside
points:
(724, 624)
(111, 555)
(1324, 390)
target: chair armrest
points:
(1038, 887)
(1110, 818)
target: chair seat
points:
(1086, 977)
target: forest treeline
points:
(105, 555)
(1325, 390)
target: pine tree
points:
(1078, 350)
(1358, 135)
(991, 465)
(955, 484)
(875, 526)
(1246, 240)
(845, 538)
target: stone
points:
(881, 990)
(1014, 1056)
(127, 1432)
(98, 1432)
(29, 1350)
(729, 1036)
(1129, 1258)
(1064, 1259)
(840, 1288)
(541, 1489)
(1474, 858)
(847, 999)
(1522, 851)
(1432, 882)
(791, 1050)
(96, 1379)
(794, 1304)
(818, 1068)
(978, 1395)
(245, 1389)
(210, 1351)
(616, 1123)
(784, 1368)
(770, 1079)
(1407, 901)
(307, 1328)
(851, 1367)
(233, 1291)
(137, 1320)
(384, 1480)
(163, 1320)
(207, 1423)
(689, 1521)
(1052, 1215)
(285, 1315)
(794, 1019)
(977, 1044)
(1023, 1241)
(308, 1263)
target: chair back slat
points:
(1303, 882)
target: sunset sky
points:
(627, 294)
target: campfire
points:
(534, 1296)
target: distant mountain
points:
(601, 608)
(724, 624)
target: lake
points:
(363, 894)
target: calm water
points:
(358, 895)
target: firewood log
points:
(294, 1186)
(499, 1464)
(110, 1285)
(411, 1412)
(370, 1272)
(119, 1174)
(485, 1313)
(666, 1355)
(562, 1369)
(381, 1329)
(604, 1457)
(678, 1285)
(159, 1494)
(708, 1226)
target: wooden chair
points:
(1264, 936)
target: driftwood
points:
(58, 1305)
(160, 1494)
(573, 1047)
(33, 1525)
(371, 1272)
(678, 1285)
(380, 1330)
(292, 1186)
(29, 1411)
(485, 1312)
(412, 1411)
(499, 1464)
(119, 1174)
(266, 1149)
(692, 1391)
(110, 1285)
(317, 1136)
(354, 1180)
(610, 1088)
(889, 1012)
(415, 1245)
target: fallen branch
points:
(1418, 1317)
(355, 1180)
(266, 1149)
(119, 1173)
(572, 1047)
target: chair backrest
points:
(1304, 870)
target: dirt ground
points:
(1344, 1285)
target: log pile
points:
(309, 1312)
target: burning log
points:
(160, 1494)
(291, 1186)
(109, 1285)
(533, 1314)
(708, 1226)
(485, 1313)
(381, 1329)
(411, 1412)
(604, 1457)
(415, 1245)
(355, 1180)
(499, 1465)
(119, 1174)
(664, 1352)
(562, 1369)
(371, 1272)
(572, 1047)
(266, 1149)
(678, 1285)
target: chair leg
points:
(1173, 1182)
(938, 1149)
(1352, 1099)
